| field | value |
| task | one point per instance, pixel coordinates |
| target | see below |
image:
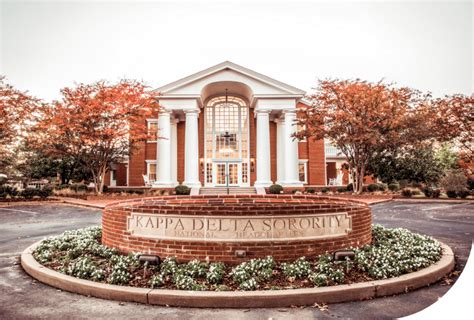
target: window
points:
(301, 127)
(151, 167)
(152, 126)
(226, 128)
(245, 172)
(303, 171)
(209, 172)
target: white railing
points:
(332, 151)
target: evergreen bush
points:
(275, 189)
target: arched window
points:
(227, 140)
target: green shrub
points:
(61, 186)
(463, 194)
(415, 192)
(341, 189)
(397, 251)
(403, 183)
(319, 279)
(350, 187)
(428, 192)
(8, 191)
(79, 187)
(45, 192)
(470, 183)
(381, 186)
(196, 268)
(83, 268)
(248, 285)
(407, 193)
(372, 187)
(275, 189)
(182, 190)
(299, 269)
(157, 280)
(394, 187)
(29, 193)
(215, 273)
(455, 180)
(310, 190)
(185, 282)
(325, 190)
(451, 194)
(436, 193)
(254, 270)
(431, 193)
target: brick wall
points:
(138, 165)
(114, 223)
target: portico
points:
(227, 109)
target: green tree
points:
(413, 164)
(446, 157)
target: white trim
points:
(148, 163)
(305, 163)
(148, 123)
(227, 65)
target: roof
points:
(227, 65)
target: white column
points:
(263, 148)
(280, 148)
(291, 150)
(174, 150)
(164, 150)
(191, 150)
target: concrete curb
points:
(424, 200)
(241, 299)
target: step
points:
(223, 190)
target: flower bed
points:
(393, 252)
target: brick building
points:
(228, 125)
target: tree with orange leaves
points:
(16, 108)
(455, 121)
(99, 123)
(364, 119)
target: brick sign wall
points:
(214, 227)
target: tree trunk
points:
(102, 179)
(359, 179)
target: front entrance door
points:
(227, 171)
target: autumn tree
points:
(455, 121)
(97, 124)
(16, 109)
(365, 119)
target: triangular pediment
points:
(229, 72)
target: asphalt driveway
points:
(21, 297)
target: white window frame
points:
(303, 127)
(148, 125)
(305, 163)
(148, 163)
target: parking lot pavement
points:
(24, 298)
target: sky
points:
(46, 46)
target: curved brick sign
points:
(222, 227)
(239, 228)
